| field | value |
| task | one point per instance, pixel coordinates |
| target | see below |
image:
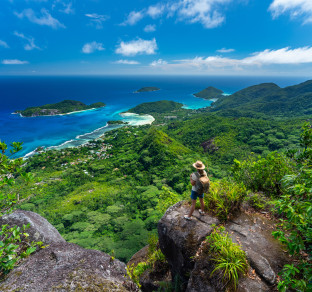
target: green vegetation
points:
(147, 89)
(109, 194)
(209, 93)
(163, 106)
(63, 107)
(14, 243)
(154, 258)
(224, 198)
(268, 99)
(117, 123)
(287, 179)
(228, 257)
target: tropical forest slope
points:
(269, 99)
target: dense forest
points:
(110, 193)
(63, 107)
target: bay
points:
(117, 92)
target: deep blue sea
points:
(117, 93)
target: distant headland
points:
(61, 108)
(209, 93)
(147, 89)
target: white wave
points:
(32, 153)
(90, 133)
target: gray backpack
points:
(202, 184)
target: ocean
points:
(117, 92)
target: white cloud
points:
(136, 47)
(44, 19)
(14, 62)
(68, 8)
(92, 47)
(30, 45)
(224, 50)
(4, 44)
(127, 62)
(294, 7)
(159, 62)
(97, 19)
(155, 11)
(133, 18)
(207, 12)
(284, 56)
(281, 56)
(150, 28)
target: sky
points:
(187, 37)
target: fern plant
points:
(227, 256)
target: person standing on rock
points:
(200, 185)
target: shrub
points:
(14, 244)
(228, 257)
(295, 227)
(154, 257)
(263, 174)
(224, 198)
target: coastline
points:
(132, 119)
(70, 113)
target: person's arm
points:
(193, 182)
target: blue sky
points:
(189, 37)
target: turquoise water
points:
(118, 94)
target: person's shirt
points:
(195, 178)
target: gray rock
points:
(68, 267)
(179, 239)
(39, 230)
(264, 253)
(247, 284)
(262, 266)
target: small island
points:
(60, 108)
(209, 93)
(147, 89)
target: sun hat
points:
(199, 165)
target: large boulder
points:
(39, 228)
(68, 267)
(265, 254)
(179, 239)
(62, 266)
(183, 244)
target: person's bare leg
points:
(202, 205)
(192, 208)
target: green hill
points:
(162, 106)
(63, 107)
(270, 99)
(209, 93)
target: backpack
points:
(202, 184)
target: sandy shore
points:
(137, 120)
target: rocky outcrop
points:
(39, 228)
(68, 267)
(62, 266)
(264, 253)
(181, 240)
(209, 146)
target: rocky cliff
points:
(62, 266)
(183, 243)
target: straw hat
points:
(199, 165)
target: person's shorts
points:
(195, 195)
